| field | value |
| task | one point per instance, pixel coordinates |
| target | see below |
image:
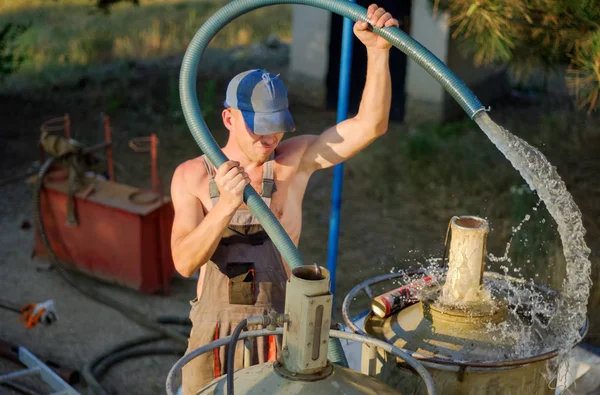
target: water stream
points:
(542, 177)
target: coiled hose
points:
(195, 121)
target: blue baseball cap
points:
(262, 99)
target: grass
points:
(71, 34)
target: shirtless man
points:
(241, 271)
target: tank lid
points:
(454, 337)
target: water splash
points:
(542, 177)
(514, 231)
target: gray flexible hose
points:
(231, 354)
(195, 121)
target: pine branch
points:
(531, 34)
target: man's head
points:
(256, 112)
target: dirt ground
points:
(374, 239)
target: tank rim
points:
(426, 360)
(281, 370)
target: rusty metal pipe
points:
(154, 163)
(67, 120)
(466, 260)
(109, 152)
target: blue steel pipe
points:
(338, 171)
(197, 125)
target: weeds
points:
(72, 36)
(9, 62)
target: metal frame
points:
(338, 170)
(365, 286)
(63, 123)
(35, 366)
(149, 144)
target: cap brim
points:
(269, 123)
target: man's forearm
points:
(376, 99)
(196, 248)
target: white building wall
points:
(433, 34)
(310, 49)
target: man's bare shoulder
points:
(290, 151)
(190, 175)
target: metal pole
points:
(338, 171)
(109, 151)
(153, 160)
(67, 126)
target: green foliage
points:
(207, 100)
(115, 101)
(174, 100)
(584, 75)
(532, 34)
(534, 245)
(68, 37)
(9, 62)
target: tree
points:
(526, 35)
(9, 63)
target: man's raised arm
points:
(349, 137)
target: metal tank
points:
(457, 328)
(303, 367)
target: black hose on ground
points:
(231, 354)
(4, 304)
(122, 351)
(96, 368)
(174, 320)
(88, 369)
(129, 354)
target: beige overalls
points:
(246, 276)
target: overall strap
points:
(212, 186)
(268, 182)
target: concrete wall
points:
(426, 98)
(432, 33)
(309, 57)
(424, 95)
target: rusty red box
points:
(116, 239)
